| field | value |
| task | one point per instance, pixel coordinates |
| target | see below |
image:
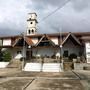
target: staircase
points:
(51, 67)
(46, 67)
(33, 67)
(14, 64)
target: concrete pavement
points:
(68, 80)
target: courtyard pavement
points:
(15, 79)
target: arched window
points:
(29, 31)
(32, 31)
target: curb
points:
(24, 88)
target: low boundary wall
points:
(3, 64)
(80, 66)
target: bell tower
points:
(31, 24)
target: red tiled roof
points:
(29, 41)
(52, 34)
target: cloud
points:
(80, 5)
(13, 16)
(74, 16)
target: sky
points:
(74, 16)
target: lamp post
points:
(29, 47)
(61, 56)
(61, 50)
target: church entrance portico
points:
(45, 52)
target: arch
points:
(29, 31)
(32, 31)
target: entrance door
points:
(28, 55)
(65, 53)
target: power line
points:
(54, 11)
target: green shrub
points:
(1, 56)
(72, 56)
(6, 56)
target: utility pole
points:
(23, 52)
(61, 50)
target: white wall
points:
(43, 52)
(31, 25)
(50, 51)
(46, 51)
(87, 45)
(32, 16)
(7, 42)
(35, 40)
(55, 40)
(3, 64)
(71, 48)
(31, 33)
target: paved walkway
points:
(21, 80)
(61, 81)
(55, 84)
(84, 74)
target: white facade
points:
(49, 52)
(43, 52)
(7, 42)
(32, 16)
(69, 46)
(3, 64)
(35, 40)
(87, 44)
(55, 40)
(31, 24)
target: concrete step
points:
(46, 67)
(14, 64)
(51, 67)
(32, 67)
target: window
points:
(31, 22)
(29, 31)
(65, 53)
(32, 31)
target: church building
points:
(32, 45)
